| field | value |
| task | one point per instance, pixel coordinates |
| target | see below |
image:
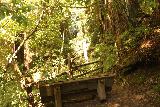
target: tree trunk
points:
(118, 22)
(134, 12)
(102, 19)
(155, 17)
(23, 66)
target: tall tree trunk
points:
(134, 12)
(118, 22)
(20, 53)
(155, 17)
(22, 66)
(102, 19)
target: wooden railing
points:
(78, 71)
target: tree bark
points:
(118, 22)
(134, 12)
(22, 66)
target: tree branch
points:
(80, 7)
(22, 43)
(5, 24)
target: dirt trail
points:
(123, 97)
(139, 89)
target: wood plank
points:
(86, 79)
(78, 97)
(57, 95)
(70, 67)
(109, 82)
(101, 89)
(46, 91)
(85, 64)
(78, 86)
(88, 72)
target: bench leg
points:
(57, 95)
(101, 89)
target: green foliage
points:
(107, 54)
(21, 19)
(148, 5)
(57, 34)
(131, 37)
(156, 88)
(11, 93)
(4, 11)
(45, 44)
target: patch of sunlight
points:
(5, 1)
(157, 30)
(3, 31)
(81, 43)
(37, 76)
(146, 44)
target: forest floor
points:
(139, 89)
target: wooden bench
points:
(56, 94)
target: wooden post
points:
(57, 95)
(70, 67)
(101, 89)
(101, 65)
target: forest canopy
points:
(39, 39)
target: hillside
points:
(138, 78)
(139, 89)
